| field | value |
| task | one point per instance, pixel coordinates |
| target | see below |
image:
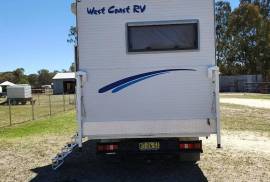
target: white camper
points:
(147, 79)
(19, 94)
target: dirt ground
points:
(245, 156)
(258, 103)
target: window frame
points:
(195, 22)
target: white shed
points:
(4, 86)
(7, 83)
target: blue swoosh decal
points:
(117, 89)
(121, 84)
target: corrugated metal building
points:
(64, 83)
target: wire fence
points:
(258, 87)
(41, 105)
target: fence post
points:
(64, 103)
(38, 100)
(75, 100)
(33, 111)
(50, 104)
(9, 107)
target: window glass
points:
(163, 37)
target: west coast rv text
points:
(116, 10)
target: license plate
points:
(148, 146)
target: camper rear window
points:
(164, 37)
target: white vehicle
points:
(147, 79)
(19, 94)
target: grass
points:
(26, 149)
(2, 99)
(245, 95)
(21, 113)
(60, 124)
(242, 118)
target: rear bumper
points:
(165, 146)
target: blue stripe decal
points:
(117, 89)
(121, 84)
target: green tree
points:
(45, 77)
(23, 80)
(72, 67)
(264, 37)
(243, 26)
(33, 80)
(20, 78)
(250, 34)
(72, 36)
(263, 4)
(7, 76)
(73, 39)
(223, 39)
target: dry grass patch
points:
(242, 118)
(27, 149)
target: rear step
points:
(58, 160)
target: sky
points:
(34, 34)
(234, 3)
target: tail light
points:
(190, 146)
(107, 148)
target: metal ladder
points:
(58, 160)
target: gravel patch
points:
(258, 103)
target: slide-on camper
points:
(147, 80)
(17, 94)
